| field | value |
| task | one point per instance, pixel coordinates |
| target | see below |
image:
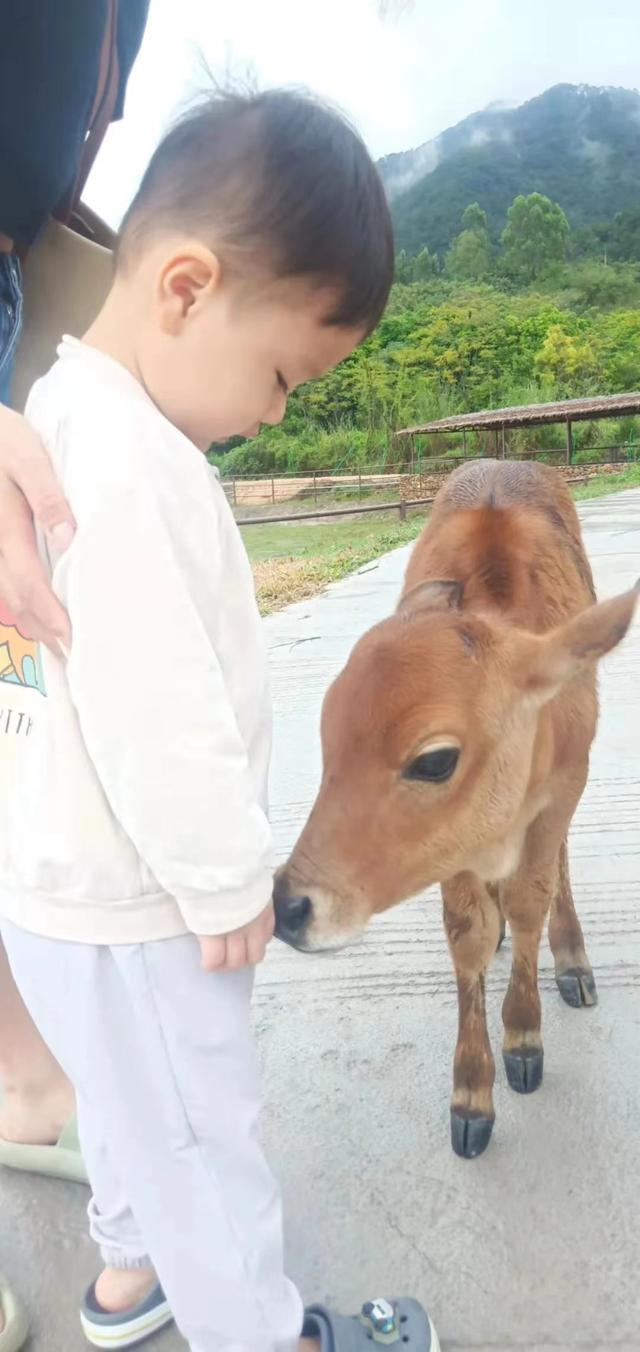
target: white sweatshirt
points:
(133, 777)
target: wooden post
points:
(359, 485)
(569, 442)
(503, 445)
(315, 485)
(235, 496)
(464, 443)
(495, 444)
(273, 490)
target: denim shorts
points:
(10, 318)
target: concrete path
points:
(534, 1246)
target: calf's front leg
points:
(472, 922)
(526, 898)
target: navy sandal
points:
(129, 1327)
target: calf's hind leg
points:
(574, 977)
(494, 891)
(472, 923)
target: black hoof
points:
(503, 931)
(470, 1133)
(524, 1069)
(577, 987)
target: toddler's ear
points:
(188, 276)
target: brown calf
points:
(456, 749)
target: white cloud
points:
(402, 78)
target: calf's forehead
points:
(405, 679)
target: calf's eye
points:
(433, 767)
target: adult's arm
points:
(28, 490)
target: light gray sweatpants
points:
(162, 1059)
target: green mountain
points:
(577, 144)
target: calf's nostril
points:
(294, 912)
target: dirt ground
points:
(252, 492)
(268, 491)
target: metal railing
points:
(402, 506)
(260, 499)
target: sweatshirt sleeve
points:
(155, 715)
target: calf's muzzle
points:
(293, 914)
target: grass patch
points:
(608, 483)
(292, 562)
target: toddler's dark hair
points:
(274, 179)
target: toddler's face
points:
(237, 354)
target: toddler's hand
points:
(243, 947)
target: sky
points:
(403, 70)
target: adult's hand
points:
(28, 490)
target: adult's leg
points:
(37, 1098)
(10, 313)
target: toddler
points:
(135, 853)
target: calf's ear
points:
(432, 595)
(543, 664)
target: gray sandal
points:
(399, 1324)
(15, 1323)
(62, 1160)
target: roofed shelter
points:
(499, 420)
